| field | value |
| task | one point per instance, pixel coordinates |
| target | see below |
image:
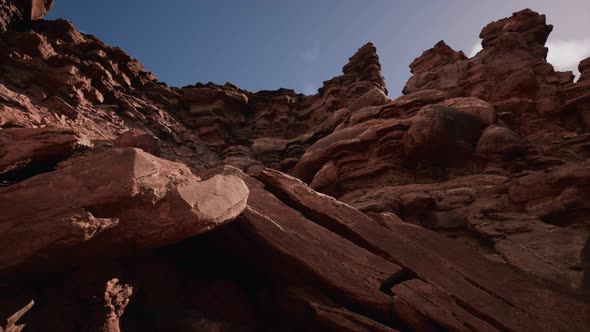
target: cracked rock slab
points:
(111, 203)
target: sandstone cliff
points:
(129, 205)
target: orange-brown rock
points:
(461, 205)
(12, 320)
(442, 266)
(122, 199)
(110, 307)
(510, 68)
(15, 13)
(39, 8)
(139, 139)
(26, 151)
(441, 54)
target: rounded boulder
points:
(441, 135)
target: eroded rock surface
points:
(122, 199)
(129, 205)
(19, 13)
(26, 151)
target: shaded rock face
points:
(129, 205)
(500, 142)
(26, 151)
(441, 54)
(235, 122)
(441, 134)
(55, 76)
(510, 72)
(20, 13)
(577, 97)
(586, 266)
(450, 153)
(141, 140)
(128, 197)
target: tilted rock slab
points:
(280, 243)
(23, 149)
(110, 203)
(451, 286)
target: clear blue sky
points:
(268, 44)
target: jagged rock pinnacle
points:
(365, 64)
(528, 23)
(441, 54)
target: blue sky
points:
(268, 44)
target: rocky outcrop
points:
(474, 106)
(136, 138)
(413, 249)
(26, 151)
(446, 150)
(123, 199)
(585, 255)
(440, 55)
(577, 98)
(129, 205)
(510, 72)
(19, 13)
(442, 135)
(273, 128)
(39, 8)
(500, 142)
(53, 75)
(111, 307)
(11, 321)
(214, 111)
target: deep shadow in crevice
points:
(217, 292)
(31, 170)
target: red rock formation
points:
(432, 168)
(111, 307)
(26, 150)
(461, 205)
(139, 139)
(127, 196)
(16, 12)
(275, 127)
(441, 54)
(577, 98)
(438, 263)
(510, 72)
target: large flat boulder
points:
(110, 203)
